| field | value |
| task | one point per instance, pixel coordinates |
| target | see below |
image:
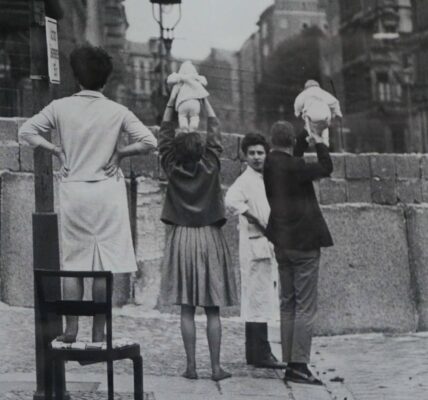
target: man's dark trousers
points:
(298, 274)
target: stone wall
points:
(375, 278)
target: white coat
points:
(259, 293)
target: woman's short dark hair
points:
(188, 147)
(91, 66)
(282, 134)
(254, 139)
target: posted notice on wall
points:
(53, 50)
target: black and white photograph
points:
(213, 199)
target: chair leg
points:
(110, 385)
(59, 379)
(48, 377)
(138, 378)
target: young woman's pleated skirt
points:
(197, 268)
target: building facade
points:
(100, 22)
(285, 19)
(373, 64)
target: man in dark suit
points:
(297, 229)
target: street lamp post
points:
(166, 37)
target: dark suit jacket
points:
(296, 221)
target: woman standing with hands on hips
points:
(95, 227)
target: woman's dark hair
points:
(91, 66)
(282, 134)
(188, 147)
(254, 139)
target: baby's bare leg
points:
(183, 121)
(194, 123)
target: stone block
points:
(338, 160)
(147, 283)
(409, 190)
(424, 187)
(16, 245)
(359, 191)
(8, 129)
(417, 235)
(150, 230)
(231, 143)
(357, 166)
(230, 170)
(384, 191)
(26, 158)
(365, 282)
(408, 166)
(424, 166)
(310, 157)
(383, 166)
(146, 165)
(9, 156)
(332, 191)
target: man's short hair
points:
(282, 134)
(254, 139)
(188, 147)
(91, 66)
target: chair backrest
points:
(48, 305)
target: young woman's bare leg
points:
(188, 333)
(214, 343)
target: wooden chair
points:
(58, 352)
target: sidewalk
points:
(372, 367)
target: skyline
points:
(204, 24)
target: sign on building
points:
(53, 50)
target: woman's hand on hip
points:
(58, 152)
(112, 167)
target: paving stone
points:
(357, 166)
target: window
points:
(266, 50)
(383, 86)
(406, 19)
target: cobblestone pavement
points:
(354, 367)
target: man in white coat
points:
(259, 298)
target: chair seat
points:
(83, 345)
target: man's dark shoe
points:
(296, 376)
(270, 361)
